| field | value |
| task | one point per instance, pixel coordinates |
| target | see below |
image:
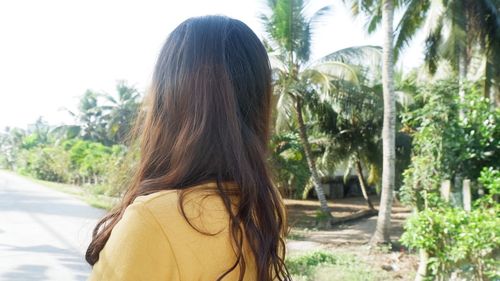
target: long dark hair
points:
(206, 118)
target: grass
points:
(92, 195)
(89, 194)
(327, 266)
(294, 235)
(297, 233)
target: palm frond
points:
(319, 14)
(355, 55)
(337, 70)
(455, 41)
(284, 112)
(487, 23)
(368, 60)
(432, 45)
(316, 78)
(289, 29)
(374, 18)
(412, 20)
(66, 131)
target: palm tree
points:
(458, 31)
(352, 120)
(296, 77)
(90, 118)
(382, 231)
(462, 32)
(464, 29)
(107, 124)
(383, 11)
(121, 112)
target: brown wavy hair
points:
(207, 118)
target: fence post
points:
(466, 195)
(446, 190)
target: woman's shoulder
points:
(168, 195)
(197, 202)
(203, 190)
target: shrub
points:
(467, 243)
(287, 159)
(45, 163)
(120, 169)
(307, 264)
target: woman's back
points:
(153, 240)
(206, 118)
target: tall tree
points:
(383, 11)
(297, 78)
(382, 231)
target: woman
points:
(201, 205)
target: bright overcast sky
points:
(51, 51)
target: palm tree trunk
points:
(310, 160)
(382, 231)
(361, 179)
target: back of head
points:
(206, 117)
(209, 103)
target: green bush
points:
(453, 140)
(45, 163)
(74, 161)
(289, 163)
(120, 169)
(467, 243)
(308, 263)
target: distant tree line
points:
(93, 150)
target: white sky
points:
(51, 51)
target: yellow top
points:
(154, 242)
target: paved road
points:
(43, 233)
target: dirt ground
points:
(352, 237)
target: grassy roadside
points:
(89, 194)
(323, 265)
(319, 265)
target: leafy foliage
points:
(456, 239)
(297, 79)
(103, 117)
(88, 152)
(48, 163)
(306, 264)
(446, 146)
(288, 160)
